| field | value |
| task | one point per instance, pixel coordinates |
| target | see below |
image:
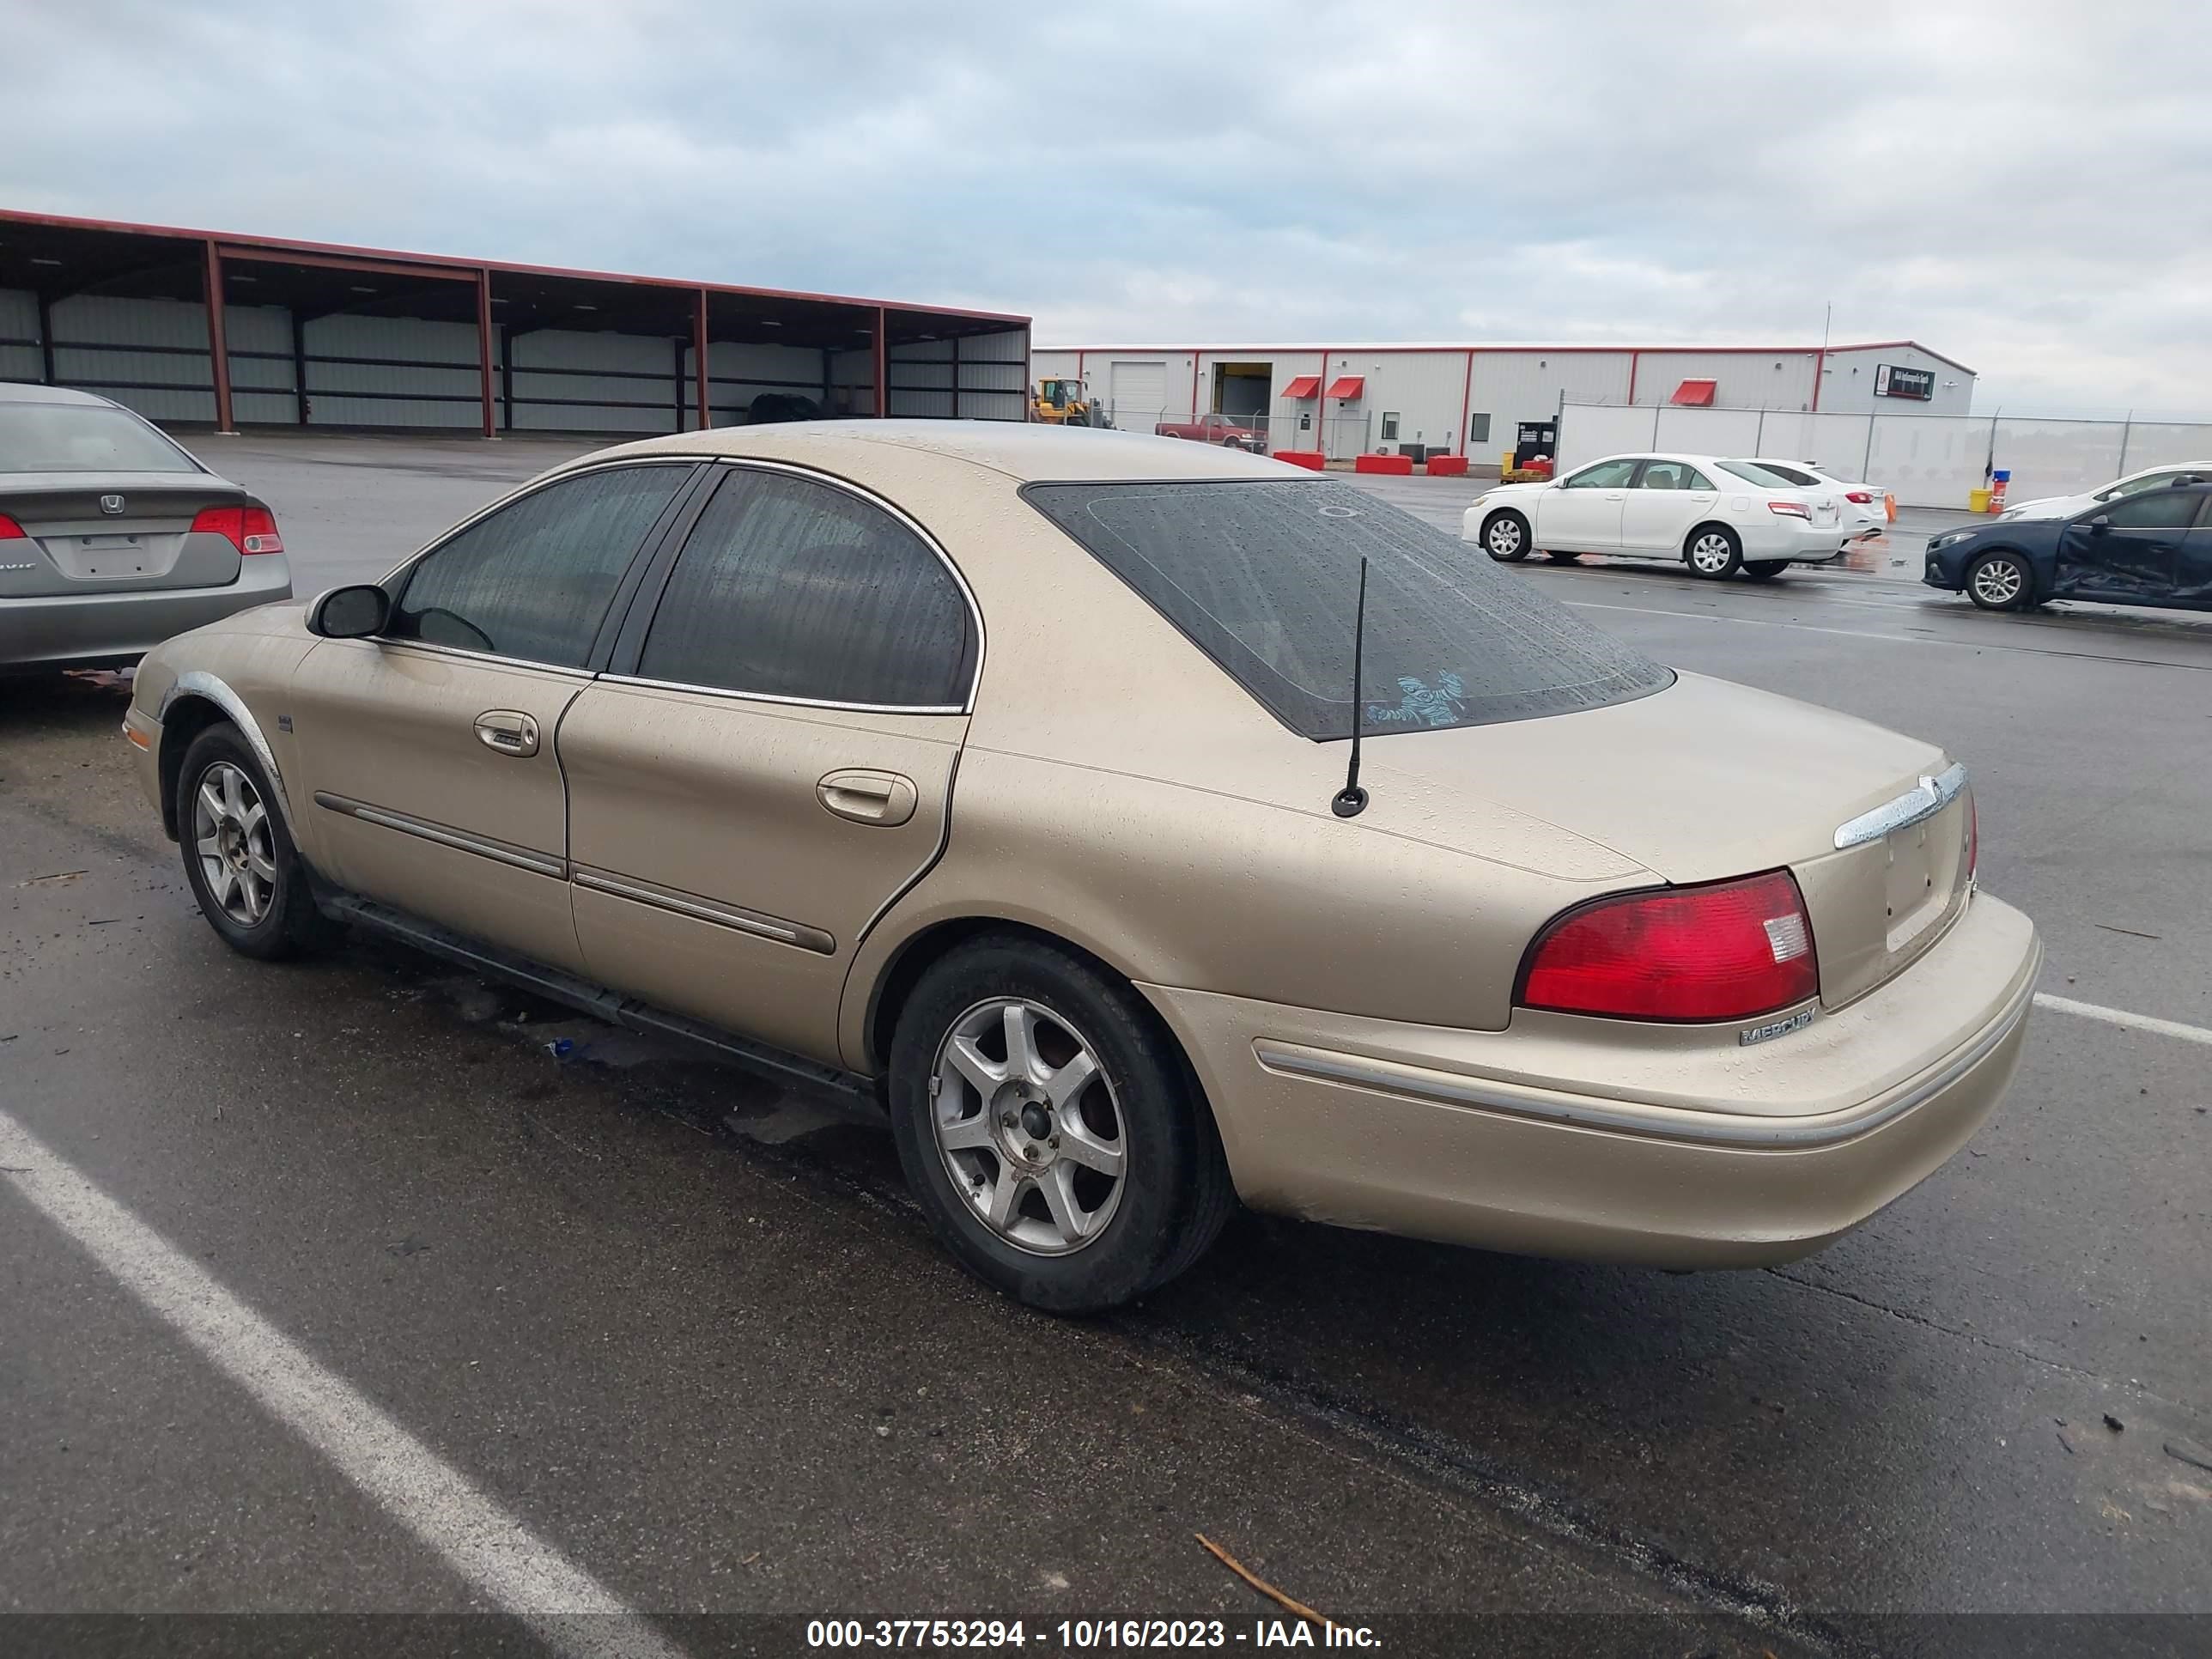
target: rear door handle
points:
(507, 731)
(883, 799)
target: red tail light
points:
(1863, 498)
(1793, 509)
(1726, 952)
(250, 529)
(10, 530)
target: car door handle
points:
(883, 799)
(507, 731)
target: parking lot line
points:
(484, 1543)
(2173, 1028)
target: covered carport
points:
(320, 335)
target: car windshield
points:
(1264, 577)
(1763, 475)
(83, 438)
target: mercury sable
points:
(1015, 777)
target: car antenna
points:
(1352, 799)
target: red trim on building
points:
(484, 349)
(1635, 361)
(1466, 405)
(285, 249)
(218, 345)
(699, 360)
(883, 364)
(1819, 368)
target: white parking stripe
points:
(2173, 1028)
(485, 1544)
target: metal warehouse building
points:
(1472, 398)
(195, 327)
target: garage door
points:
(1140, 391)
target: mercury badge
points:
(111, 505)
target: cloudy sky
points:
(2025, 187)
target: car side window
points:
(533, 579)
(2153, 509)
(787, 588)
(2136, 486)
(1672, 475)
(1605, 474)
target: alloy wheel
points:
(1504, 536)
(1711, 553)
(1997, 583)
(231, 835)
(1027, 1126)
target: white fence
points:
(1924, 461)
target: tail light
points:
(1793, 509)
(1862, 497)
(10, 530)
(1726, 951)
(250, 529)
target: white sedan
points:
(2066, 506)
(1716, 516)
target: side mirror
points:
(351, 613)
(2102, 521)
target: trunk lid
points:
(112, 532)
(1708, 781)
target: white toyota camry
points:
(1717, 516)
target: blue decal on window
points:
(1443, 704)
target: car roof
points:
(23, 392)
(1029, 451)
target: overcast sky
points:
(2026, 186)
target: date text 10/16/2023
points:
(1082, 1635)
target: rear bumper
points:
(61, 630)
(1681, 1153)
(1791, 538)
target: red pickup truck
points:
(1214, 429)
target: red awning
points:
(1304, 387)
(1697, 394)
(1347, 385)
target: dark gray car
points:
(112, 536)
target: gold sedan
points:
(1015, 776)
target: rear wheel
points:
(1050, 1128)
(1764, 570)
(2000, 581)
(1505, 537)
(1714, 551)
(239, 856)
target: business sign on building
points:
(1914, 383)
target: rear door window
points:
(1263, 577)
(791, 588)
(533, 579)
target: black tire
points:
(2000, 581)
(1764, 570)
(1505, 537)
(286, 923)
(1174, 1194)
(1721, 549)
(1563, 558)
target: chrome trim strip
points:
(1687, 1126)
(1924, 800)
(379, 642)
(198, 682)
(521, 858)
(700, 909)
(792, 702)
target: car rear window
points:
(83, 438)
(1765, 477)
(1264, 578)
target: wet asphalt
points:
(688, 1328)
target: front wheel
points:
(1764, 570)
(1050, 1129)
(1714, 551)
(1505, 537)
(239, 858)
(2000, 581)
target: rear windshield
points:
(1264, 578)
(1765, 476)
(83, 438)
